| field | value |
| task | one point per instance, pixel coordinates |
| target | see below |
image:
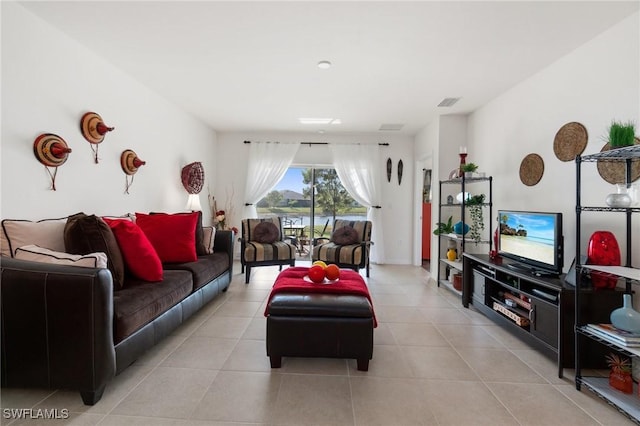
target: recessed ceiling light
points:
(324, 65)
(391, 126)
(315, 120)
(320, 121)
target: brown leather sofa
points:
(66, 327)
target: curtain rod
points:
(326, 143)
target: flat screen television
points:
(533, 239)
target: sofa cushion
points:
(140, 257)
(280, 250)
(352, 254)
(206, 269)
(40, 254)
(140, 302)
(47, 233)
(172, 235)
(88, 234)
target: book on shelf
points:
(620, 336)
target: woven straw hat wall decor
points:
(93, 129)
(130, 163)
(192, 176)
(52, 151)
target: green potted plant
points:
(444, 228)
(474, 204)
(469, 169)
(621, 134)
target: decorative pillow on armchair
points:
(345, 236)
(266, 233)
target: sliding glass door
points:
(309, 199)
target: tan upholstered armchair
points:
(348, 246)
(262, 244)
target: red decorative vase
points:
(603, 250)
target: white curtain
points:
(267, 164)
(358, 167)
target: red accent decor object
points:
(138, 252)
(93, 129)
(173, 236)
(192, 176)
(291, 280)
(52, 151)
(603, 250)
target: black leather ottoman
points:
(320, 325)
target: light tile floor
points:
(434, 363)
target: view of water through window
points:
(293, 200)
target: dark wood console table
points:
(539, 310)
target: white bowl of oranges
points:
(321, 273)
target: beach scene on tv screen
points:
(528, 235)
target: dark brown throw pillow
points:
(201, 248)
(266, 233)
(345, 236)
(89, 234)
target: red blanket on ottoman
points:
(291, 280)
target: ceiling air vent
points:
(391, 126)
(447, 102)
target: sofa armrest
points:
(224, 243)
(57, 327)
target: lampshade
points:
(193, 203)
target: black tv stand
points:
(527, 269)
(538, 309)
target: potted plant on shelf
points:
(444, 228)
(474, 204)
(621, 134)
(620, 375)
(469, 169)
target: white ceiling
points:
(242, 66)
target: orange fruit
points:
(316, 274)
(332, 272)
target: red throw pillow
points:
(172, 235)
(139, 255)
(345, 236)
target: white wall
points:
(48, 82)
(397, 205)
(593, 85)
